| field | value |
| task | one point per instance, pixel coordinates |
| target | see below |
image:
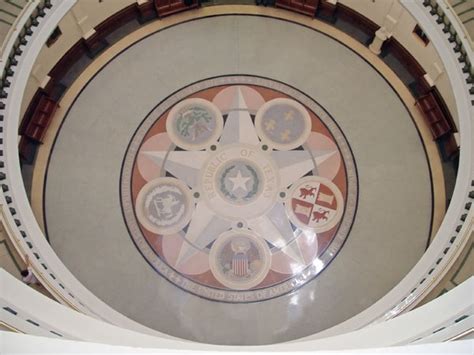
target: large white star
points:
(239, 181)
(206, 225)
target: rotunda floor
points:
(238, 180)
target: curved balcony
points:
(21, 49)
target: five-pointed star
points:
(206, 225)
(239, 181)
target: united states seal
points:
(239, 259)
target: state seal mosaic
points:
(239, 189)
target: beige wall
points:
(372, 9)
(85, 15)
(391, 15)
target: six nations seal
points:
(239, 189)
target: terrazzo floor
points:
(83, 208)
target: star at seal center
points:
(239, 181)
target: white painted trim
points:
(89, 34)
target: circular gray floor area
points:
(82, 208)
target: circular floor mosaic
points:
(239, 189)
